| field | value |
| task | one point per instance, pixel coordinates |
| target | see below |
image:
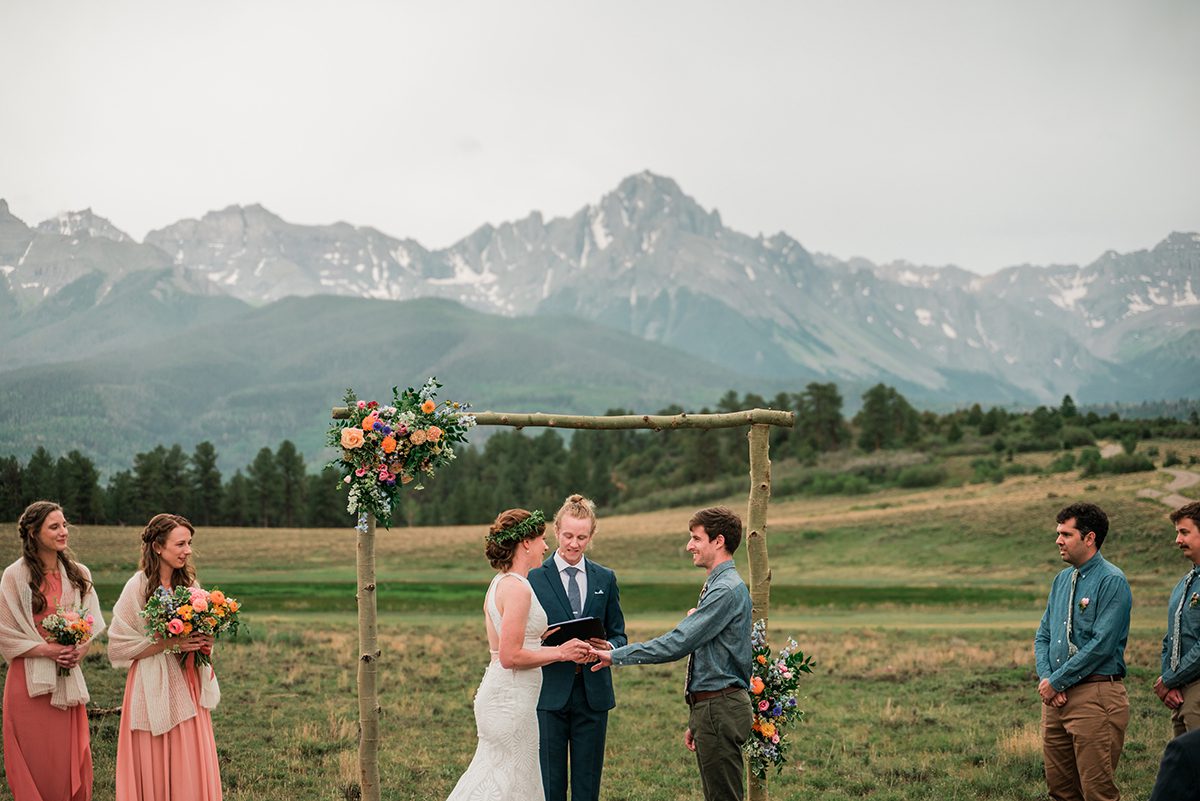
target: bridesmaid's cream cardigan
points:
(18, 635)
(159, 699)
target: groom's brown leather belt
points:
(704, 695)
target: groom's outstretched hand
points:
(603, 659)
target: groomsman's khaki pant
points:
(1082, 742)
(1187, 717)
(720, 726)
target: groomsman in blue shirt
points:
(1179, 684)
(1080, 650)
(573, 707)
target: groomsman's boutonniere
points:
(1195, 600)
(1083, 603)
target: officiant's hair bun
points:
(500, 553)
(579, 507)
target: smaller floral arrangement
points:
(386, 447)
(1083, 603)
(191, 610)
(1195, 601)
(70, 625)
(774, 683)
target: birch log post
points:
(756, 546)
(368, 662)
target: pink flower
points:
(175, 626)
(90, 620)
(762, 705)
(1083, 604)
(199, 603)
(360, 472)
(362, 404)
(70, 616)
(346, 480)
(775, 738)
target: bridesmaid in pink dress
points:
(166, 750)
(47, 752)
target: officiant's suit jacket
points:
(603, 602)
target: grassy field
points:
(920, 607)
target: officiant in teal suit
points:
(573, 707)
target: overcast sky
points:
(981, 134)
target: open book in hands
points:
(582, 628)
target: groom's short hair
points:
(719, 521)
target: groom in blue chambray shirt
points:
(715, 636)
(1080, 650)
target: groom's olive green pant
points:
(720, 726)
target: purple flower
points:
(777, 710)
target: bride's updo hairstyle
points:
(510, 529)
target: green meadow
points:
(919, 607)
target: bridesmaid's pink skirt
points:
(47, 753)
(180, 765)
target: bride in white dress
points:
(505, 767)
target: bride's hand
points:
(575, 650)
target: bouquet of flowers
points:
(186, 610)
(69, 626)
(385, 447)
(774, 682)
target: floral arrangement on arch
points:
(774, 682)
(386, 447)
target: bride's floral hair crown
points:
(519, 531)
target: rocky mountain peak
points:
(83, 223)
(646, 201)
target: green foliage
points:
(886, 419)
(1073, 436)
(921, 476)
(1171, 458)
(1121, 463)
(1063, 464)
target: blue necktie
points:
(573, 592)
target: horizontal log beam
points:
(657, 422)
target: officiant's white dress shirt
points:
(580, 579)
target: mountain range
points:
(643, 299)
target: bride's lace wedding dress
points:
(505, 767)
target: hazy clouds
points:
(983, 134)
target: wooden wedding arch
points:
(759, 422)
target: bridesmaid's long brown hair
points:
(28, 526)
(155, 533)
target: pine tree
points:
(10, 488)
(121, 501)
(238, 509)
(79, 488)
(265, 486)
(292, 484)
(204, 481)
(39, 480)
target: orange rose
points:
(756, 685)
(417, 437)
(434, 433)
(369, 421)
(388, 444)
(187, 629)
(233, 606)
(428, 407)
(216, 597)
(352, 438)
